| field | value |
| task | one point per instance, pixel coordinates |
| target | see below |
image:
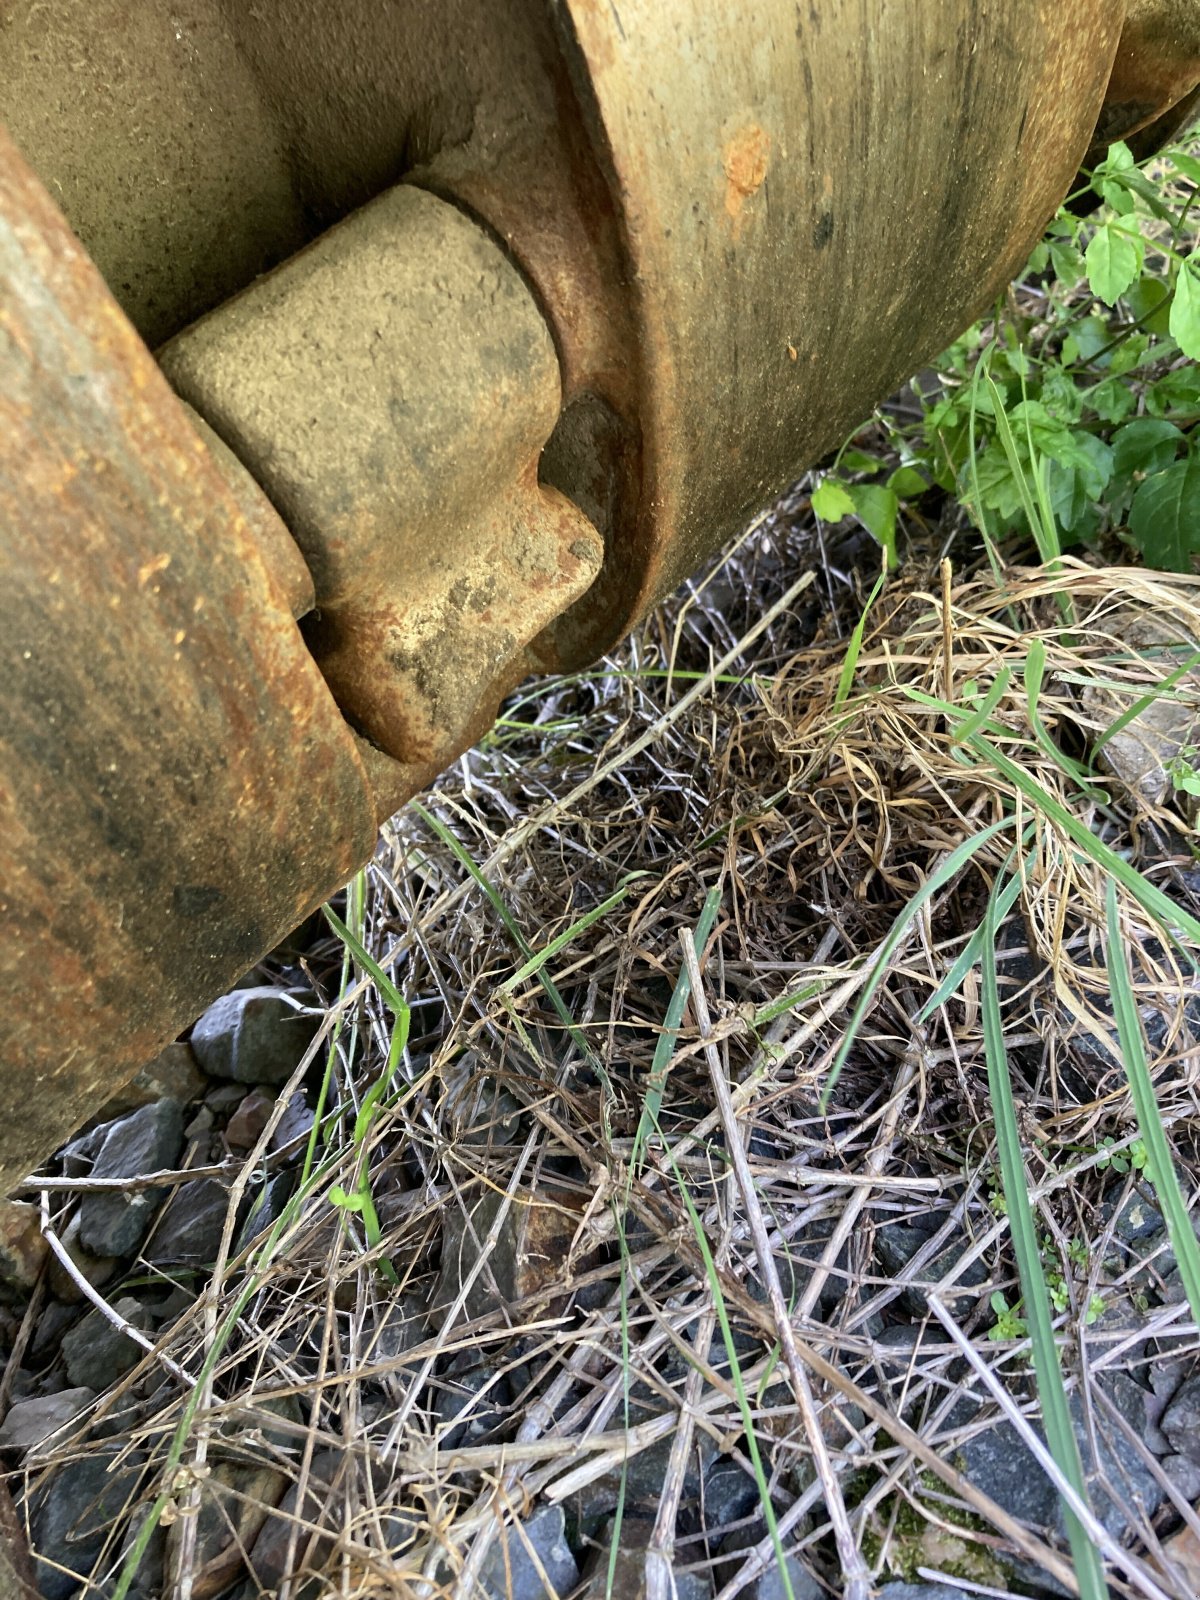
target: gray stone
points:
(730, 1493)
(54, 1321)
(253, 1036)
(172, 1075)
(97, 1354)
(322, 1512)
(30, 1422)
(114, 1222)
(236, 1501)
(1137, 1219)
(769, 1585)
(475, 1394)
(70, 1517)
(1184, 1474)
(96, 1270)
(188, 1233)
(1181, 1420)
(897, 1244)
(400, 1328)
(998, 1462)
(629, 1567)
(508, 1571)
(266, 1208)
(921, 1591)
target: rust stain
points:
(745, 158)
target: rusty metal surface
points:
(584, 284)
(392, 388)
(176, 786)
(1157, 66)
(815, 200)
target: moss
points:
(907, 1540)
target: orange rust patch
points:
(746, 157)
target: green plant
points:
(1083, 424)
(1009, 1324)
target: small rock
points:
(268, 1554)
(96, 1270)
(1184, 1474)
(189, 1229)
(235, 1502)
(54, 1321)
(897, 1243)
(30, 1422)
(23, 1248)
(114, 1222)
(400, 1328)
(730, 1493)
(201, 1125)
(1137, 1219)
(71, 1516)
(1181, 1420)
(475, 1394)
(172, 1075)
(769, 1584)
(224, 1100)
(245, 1126)
(508, 1571)
(97, 1354)
(528, 1262)
(629, 1568)
(253, 1036)
(266, 1208)
(998, 1462)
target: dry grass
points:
(817, 821)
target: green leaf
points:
(1067, 263)
(1165, 516)
(877, 507)
(1149, 300)
(1113, 260)
(1185, 308)
(1187, 165)
(1145, 445)
(1177, 394)
(831, 501)
(908, 483)
(1112, 400)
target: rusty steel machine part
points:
(478, 324)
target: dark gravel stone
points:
(476, 1395)
(189, 1230)
(629, 1568)
(897, 1243)
(999, 1463)
(115, 1222)
(508, 1571)
(769, 1585)
(70, 1517)
(97, 1354)
(252, 1036)
(730, 1493)
(1181, 1420)
(30, 1422)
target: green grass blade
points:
(854, 647)
(971, 721)
(1056, 1412)
(664, 1049)
(1160, 1169)
(547, 953)
(945, 873)
(1145, 701)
